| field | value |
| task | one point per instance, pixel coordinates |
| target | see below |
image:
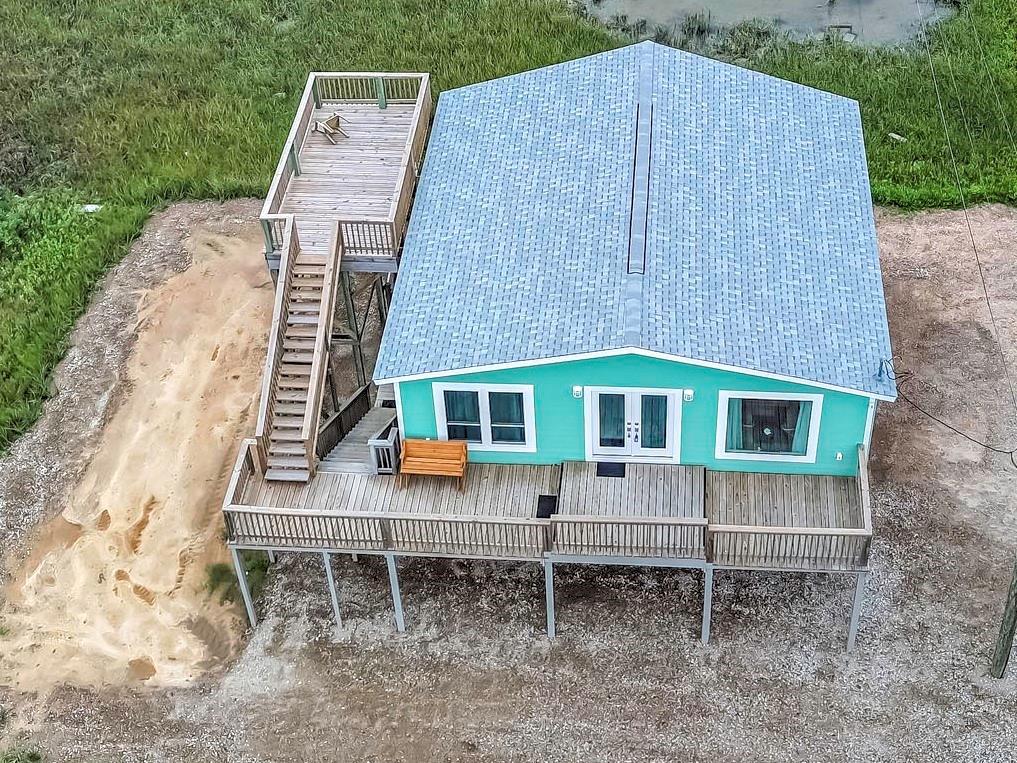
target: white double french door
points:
(633, 423)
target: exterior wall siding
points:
(560, 417)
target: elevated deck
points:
(682, 515)
(350, 193)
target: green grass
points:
(19, 755)
(222, 580)
(134, 104)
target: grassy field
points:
(134, 104)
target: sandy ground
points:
(112, 588)
(473, 680)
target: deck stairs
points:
(297, 360)
(352, 455)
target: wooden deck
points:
(646, 490)
(357, 178)
(674, 514)
(492, 490)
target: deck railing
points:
(385, 449)
(276, 336)
(369, 238)
(245, 468)
(431, 535)
(647, 537)
(804, 548)
(340, 423)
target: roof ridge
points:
(640, 198)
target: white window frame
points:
(726, 396)
(438, 390)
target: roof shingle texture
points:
(760, 241)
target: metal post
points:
(238, 566)
(549, 597)
(856, 608)
(355, 335)
(397, 600)
(382, 302)
(707, 602)
(1004, 642)
(330, 378)
(327, 559)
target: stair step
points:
(312, 294)
(286, 449)
(294, 370)
(291, 395)
(287, 462)
(293, 383)
(288, 475)
(309, 258)
(298, 343)
(283, 408)
(309, 269)
(302, 320)
(300, 356)
(284, 435)
(301, 331)
(286, 421)
(345, 467)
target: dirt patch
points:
(474, 680)
(105, 595)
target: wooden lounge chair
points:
(331, 128)
(439, 458)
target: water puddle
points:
(869, 21)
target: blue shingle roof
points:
(760, 248)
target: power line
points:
(964, 205)
(992, 80)
(905, 376)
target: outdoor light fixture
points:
(577, 391)
(688, 395)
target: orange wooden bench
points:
(438, 458)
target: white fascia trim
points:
(631, 351)
(529, 422)
(721, 451)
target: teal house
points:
(643, 256)
(637, 295)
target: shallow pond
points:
(871, 21)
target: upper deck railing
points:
(363, 240)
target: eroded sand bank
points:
(113, 589)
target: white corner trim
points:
(529, 421)
(870, 420)
(633, 351)
(724, 398)
(399, 409)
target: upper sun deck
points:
(350, 191)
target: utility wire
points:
(964, 206)
(992, 80)
(904, 376)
